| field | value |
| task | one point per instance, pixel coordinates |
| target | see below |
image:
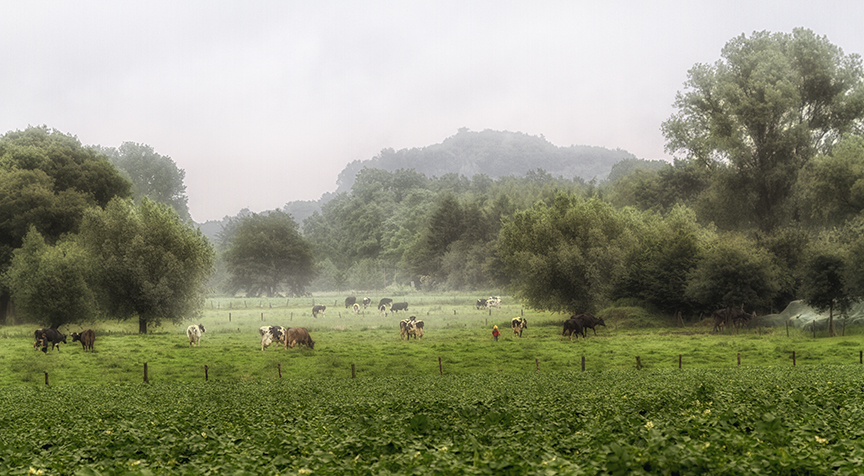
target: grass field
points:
(491, 412)
(455, 332)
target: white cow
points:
(493, 301)
(194, 334)
(270, 334)
(356, 308)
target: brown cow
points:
(299, 335)
(86, 338)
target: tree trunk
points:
(142, 325)
(831, 320)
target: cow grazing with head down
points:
(730, 317)
(52, 336)
(350, 301)
(384, 302)
(318, 309)
(518, 324)
(383, 310)
(356, 308)
(399, 306)
(588, 322)
(299, 335)
(480, 304)
(493, 301)
(573, 326)
(86, 338)
(270, 334)
(194, 334)
(366, 302)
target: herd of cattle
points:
(410, 327)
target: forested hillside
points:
(493, 154)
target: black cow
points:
(366, 302)
(399, 306)
(54, 337)
(384, 302)
(573, 326)
(86, 338)
(481, 303)
(317, 309)
(589, 321)
(350, 301)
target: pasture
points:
(455, 332)
(516, 406)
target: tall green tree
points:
(148, 263)
(733, 273)
(566, 256)
(824, 285)
(831, 186)
(267, 255)
(769, 105)
(50, 285)
(152, 175)
(47, 180)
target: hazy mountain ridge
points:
(495, 154)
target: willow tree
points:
(770, 104)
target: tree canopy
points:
(267, 254)
(763, 111)
(148, 263)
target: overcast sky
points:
(265, 102)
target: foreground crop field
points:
(777, 421)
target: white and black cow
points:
(481, 303)
(399, 306)
(414, 328)
(518, 324)
(366, 302)
(318, 309)
(493, 301)
(356, 308)
(194, 334)
(270, 334)
(383, 310)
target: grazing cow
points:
(384, 302)
(589, 321)
(403, 328)
(414, 328)
(37, 336)
(518, 324)
(730, 317)
(317, 309)
(86, 338)
(573, 326)
(52, 336)
(356, 308)
(194, 334)
(270, 334)
(383, 310)
(350, 301)
(481, 304)
(366, 302)
(399, 306)
(493, 301)
(299, 335)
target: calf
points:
(518, 324)
(299, 335)
(573, 326)
(54, 337)
(194, 334)
(270, 334)
(317, 309)
(350, 301)
(399, 306)
(86, 338)
(589, 321)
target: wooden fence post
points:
(537, 361)
(583, 363)
(679, 361)
(352, 370)
(146, 380)
(279, 367)
(440, 367)
(739, 359)
(229, 317)
(793, 358)
(638, 363)
(787, 328)
(861, 356)
(46, 378)
(206, 374)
